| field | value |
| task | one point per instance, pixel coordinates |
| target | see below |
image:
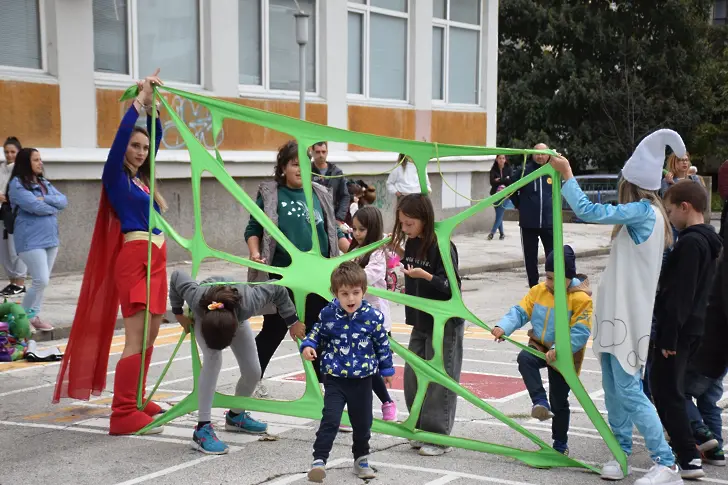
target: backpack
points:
(8, 216)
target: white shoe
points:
(157, 430)
(260, 390)
(662, 475)
(434, 450)
(613, 471)
(416, 444)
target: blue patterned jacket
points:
(353, 346)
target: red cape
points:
(86, 358)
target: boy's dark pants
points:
(356, 394)
(529, 366)
(667, 383)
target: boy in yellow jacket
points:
(537, 307)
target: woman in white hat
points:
(626, 297)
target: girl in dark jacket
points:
(500, 178)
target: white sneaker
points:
(416, 444)
(260, 390)
(662, 475)
(613, 471)
(434, 450)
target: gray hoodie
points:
(182, 288)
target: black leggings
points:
(274, 331)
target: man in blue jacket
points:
(535, 217)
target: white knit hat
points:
(644, 167)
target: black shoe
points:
(12, 289)
(502, 237)
(705, 439)
(714, 457)
(490, 237)
(692, 470)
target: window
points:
(377, 51)
(720, 13)
(20, 42)
(134, 37)
(456, 35)
(268, 52)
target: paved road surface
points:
(68, 443)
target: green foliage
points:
(592, 78)
(716, 203)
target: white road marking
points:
(443, 480)
(480, 478)
(299, 476)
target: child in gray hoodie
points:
(221, 314)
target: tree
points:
(592, 78)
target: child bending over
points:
(537, 307)
(221, 316)
(354, 348)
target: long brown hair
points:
(416, 206)
(145, 172)
(371, 218)
(219, 325)
(629, 192)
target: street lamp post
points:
(302, 40)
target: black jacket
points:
(337, 187)
(504, 177)
(534, 199)
(711, 359)
(437, 289)
(685, 283)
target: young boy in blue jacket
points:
(354, 347)
(537, 307)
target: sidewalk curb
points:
(63, 332)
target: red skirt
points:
(131, 278)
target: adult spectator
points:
(14, 266)
(500, 178)
(38, 203)
(534, 213)
(283, 201)
(404, 179)
(322, 169)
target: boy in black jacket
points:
(680, 306)
(706, 370)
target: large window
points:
(377, 50)
(134, 37)
(268, 52)
(20, 34)
(720, 12)
(456, 35)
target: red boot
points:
(125, 417)
(152, 408)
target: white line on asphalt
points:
(443, 480)
(43, 386)
(171, 469)
(299, 476)
(480, 478)
(513, 352)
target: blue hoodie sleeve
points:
(518, 315)
(381, 348)
(313, 337)
(55, 198)
(639, 217)
(114, 166)
(158, 133)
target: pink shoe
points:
(389, 411)
(39, 324)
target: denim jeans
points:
(500, 211)
(356, 394)
(707, 392)
(40, 264)
(627, 406)
(438, 409)
(530, 366)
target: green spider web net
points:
(309, 272)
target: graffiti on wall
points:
(197, 118)
(385, 200)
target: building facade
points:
(413, 69)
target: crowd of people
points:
(659, 306)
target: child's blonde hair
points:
(629, 192)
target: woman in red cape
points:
(116, 274)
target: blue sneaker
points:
(243, 422)
(205, 440)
